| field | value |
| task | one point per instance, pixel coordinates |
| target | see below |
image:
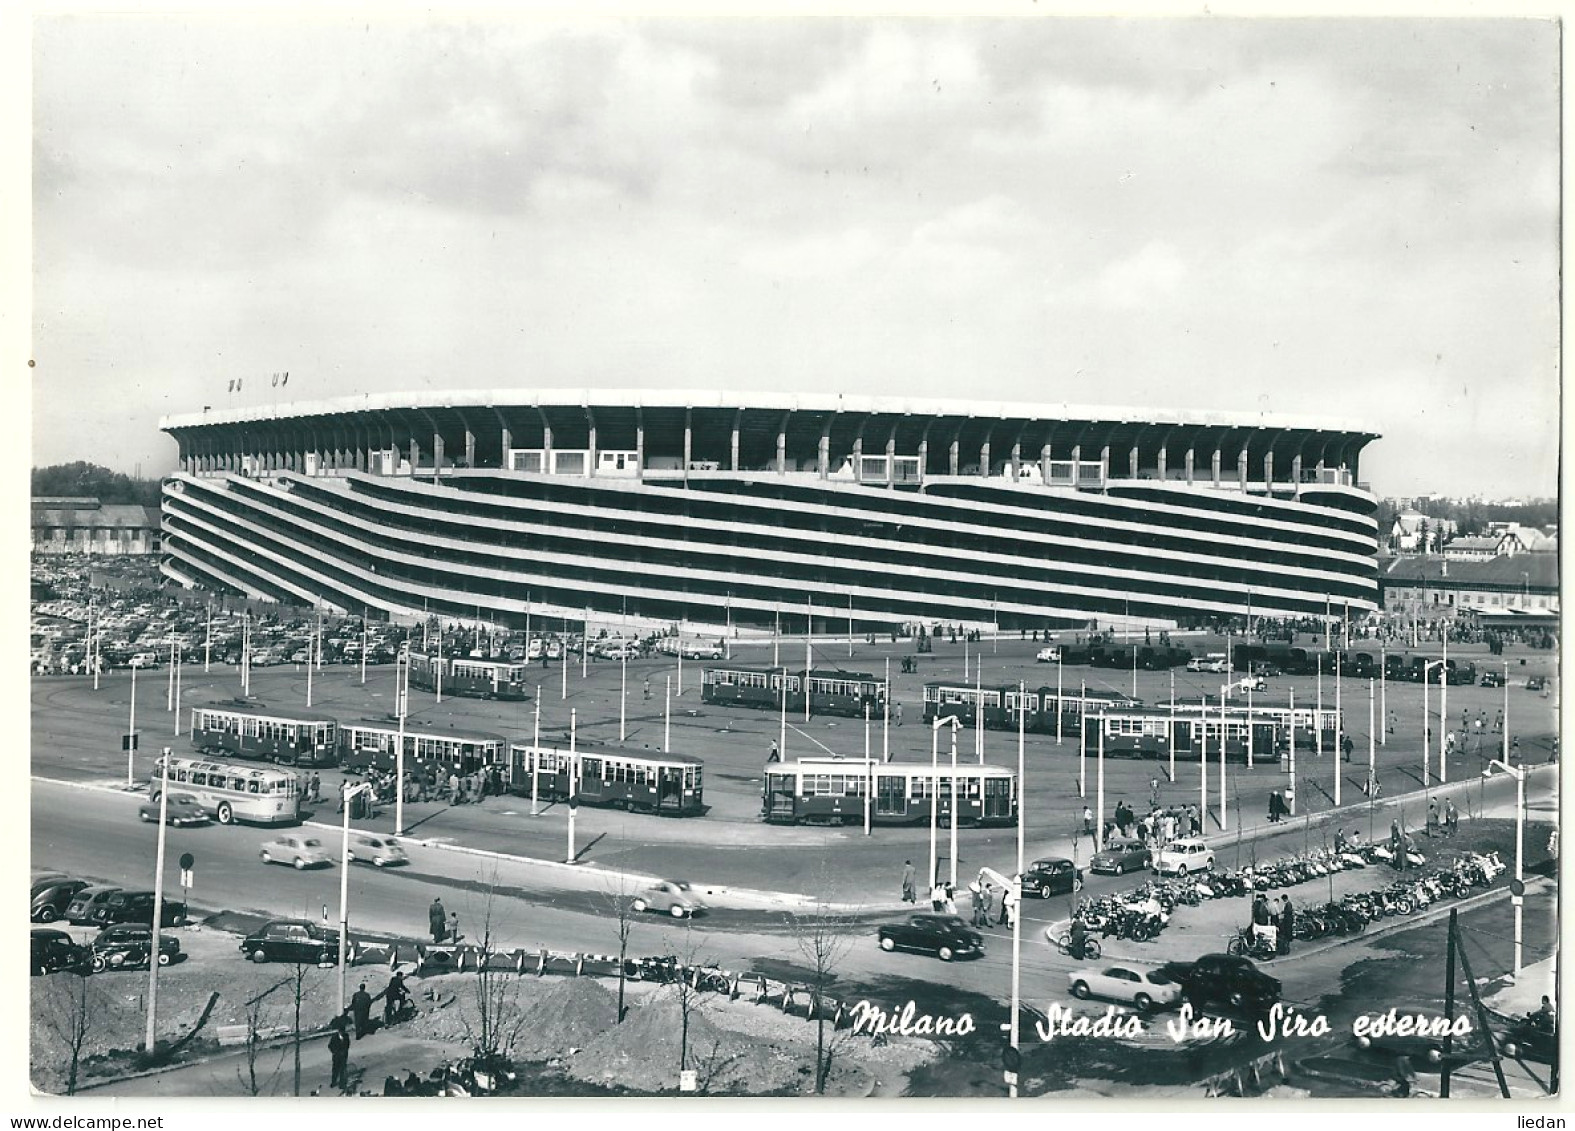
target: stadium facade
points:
(702, 507)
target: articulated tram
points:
(478, 679)
(251, 730)
(1191, 730)
(1042, 706)
(831, 692)
(1316, 729)
(832, 791)
(640, 781)
(373, 743)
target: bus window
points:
(251, 787)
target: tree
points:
(89, 480)
(492, 1018)
(621, 903)
(70, 1008)
(687, 991)
(822, 937)
(254, 1014)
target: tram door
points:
(891, 796)
(1182, 740)
(669, 788)
(997, 799)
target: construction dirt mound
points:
(643, 1054)
(568, 1015)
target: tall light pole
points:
(158, 908)
(309, 666)
(1082, 740)
(178, 666)
(535, 755)
(1016, 890)
(1099, 804)
(952, 794)
(1372, 743)
(1339, 732)
(131, 729)
(364, 626)
(573, 783)
(1172, 742)
(885, 705)
(1318, 712)
(1290, 792)
(170, 704)
(402, 708)
(869, 779)
(1383, 692)
(667, 716)
(207, 644)
(809, 660)
(1224, 812)
(978, 718)
(776, 636)
(935, 794)
(1427, 719)
(782, 736)
(1520, 847)
(1058, 707)
(1203, 762)
(1443, 710)
(350, 794)
(623, 691)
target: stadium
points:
(755, 509)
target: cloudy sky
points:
(1353, 219)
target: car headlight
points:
(1364, 1042)
(1434, 1056)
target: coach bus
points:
(372, 744)
(473, 678)
(831, 692)
(253, 731)
(258, 795)
(831, 791)
(1042, 707)
(640, 781)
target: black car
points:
(51, 900)
(292, 940)
(945, 936)
(136, 906)
(1052, 876)
(1536, 683)
(53, 951)
(127, 945)
(1492, 679)
(1230, 981)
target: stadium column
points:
(1296, 474)
(891, 458)
(1044, 463)
(437, 454)
(415, 454)
(1216, 465)
(1241, 467)
(688, 440)
(1188, 461)
(1268, 471)
(984, 457)
(590, 436)
(858, 454)
(506, 438)
(952, 462)
(470, 446)
(1132, 462)
(782, 444)
(1160, 460)
(639, 441)
(824, 457)
(738, 417)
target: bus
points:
(1046, 712)
(251, 730)
(831, 791)
(831, 691)
(373, 744)
(640, 781)
(474, 678)
(257, 795)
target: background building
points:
(86, 526)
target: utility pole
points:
(158, 908)
(573, 784)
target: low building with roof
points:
(80, 525)
(1523, 589)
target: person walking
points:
(981, 904)
(1009, 907)
(1287, 922)
(775, 755)
(1088, 824)
(437, 919)
(339, 1056)
(908, 893)
(395, 994)
(361, 1010)
(897, 713)
(647, 690)
(1432, 818)
(949, 904)
(1153, 793)
(1451, 818)
(937, 896)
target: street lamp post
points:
(158, 907)
(131, 728)
(1339, 732)
(401, 708)
(1082, 740)
(1059, 709)
(351, 792)
(535, 757)
(623, 691)
(1290, 790)
(573, 783)
(1519, 774)
(1427, 718)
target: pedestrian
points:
(647, 690)
(1153, 793)
(1274, 806)
(1391, 722)
(1451, 818)
(937, 896)
(1009, 906)
(361, 1010)
(1394, 836)
(1287, 921)
(453, 926)
(1088, 823)
(1432, 818)
(453, 788)
(339, 1054)
(315, 789)
(981, 903)
(897, 711)
(1346, 746)
(1260, 910)
(775, 755)
(394, 996)
(950, 904)
(908, 894)
(437, 918)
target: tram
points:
(640, 781)
(832, 791)
(1042, 706)
(251, 730)
(831, 692)
(474, 678)
(1315, 728)
(373, 744)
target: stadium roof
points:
(781, 402)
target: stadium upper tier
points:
(691, 506)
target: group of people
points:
(358, 1013)
(1449, 825)
(1158, 827)
(1273, 921)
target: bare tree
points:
(297, 984)
(69, 1010)
(687, 992)
(254, 1015)
(822, 937)
(710, 1066)
(492, 1018)
(620, 901)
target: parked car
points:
(127, 945)
(136, 906)
(1229, 980)
(945, 936)
(83, 904)
(52, 898)
(1135, 985)
(183, 810)
(1423, 1039)
(1048, 655)
(619, 650)
(376, 850)
(1536, 683)
(1121, 856)
(674, 897)
(1492, 679)
(1052, 876)
(54, 951)
(43, 879)
(293, 940)
(1213, 662)
(1180, 857)
(297, 849)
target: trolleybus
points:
(641, 781)
(256, 794)
(831, 791)
(480, 679)
(373, 744)
(251, 730)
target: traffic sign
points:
(1517, 888)
(1010, 1079)
(187, 861)
(1011, 1060)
